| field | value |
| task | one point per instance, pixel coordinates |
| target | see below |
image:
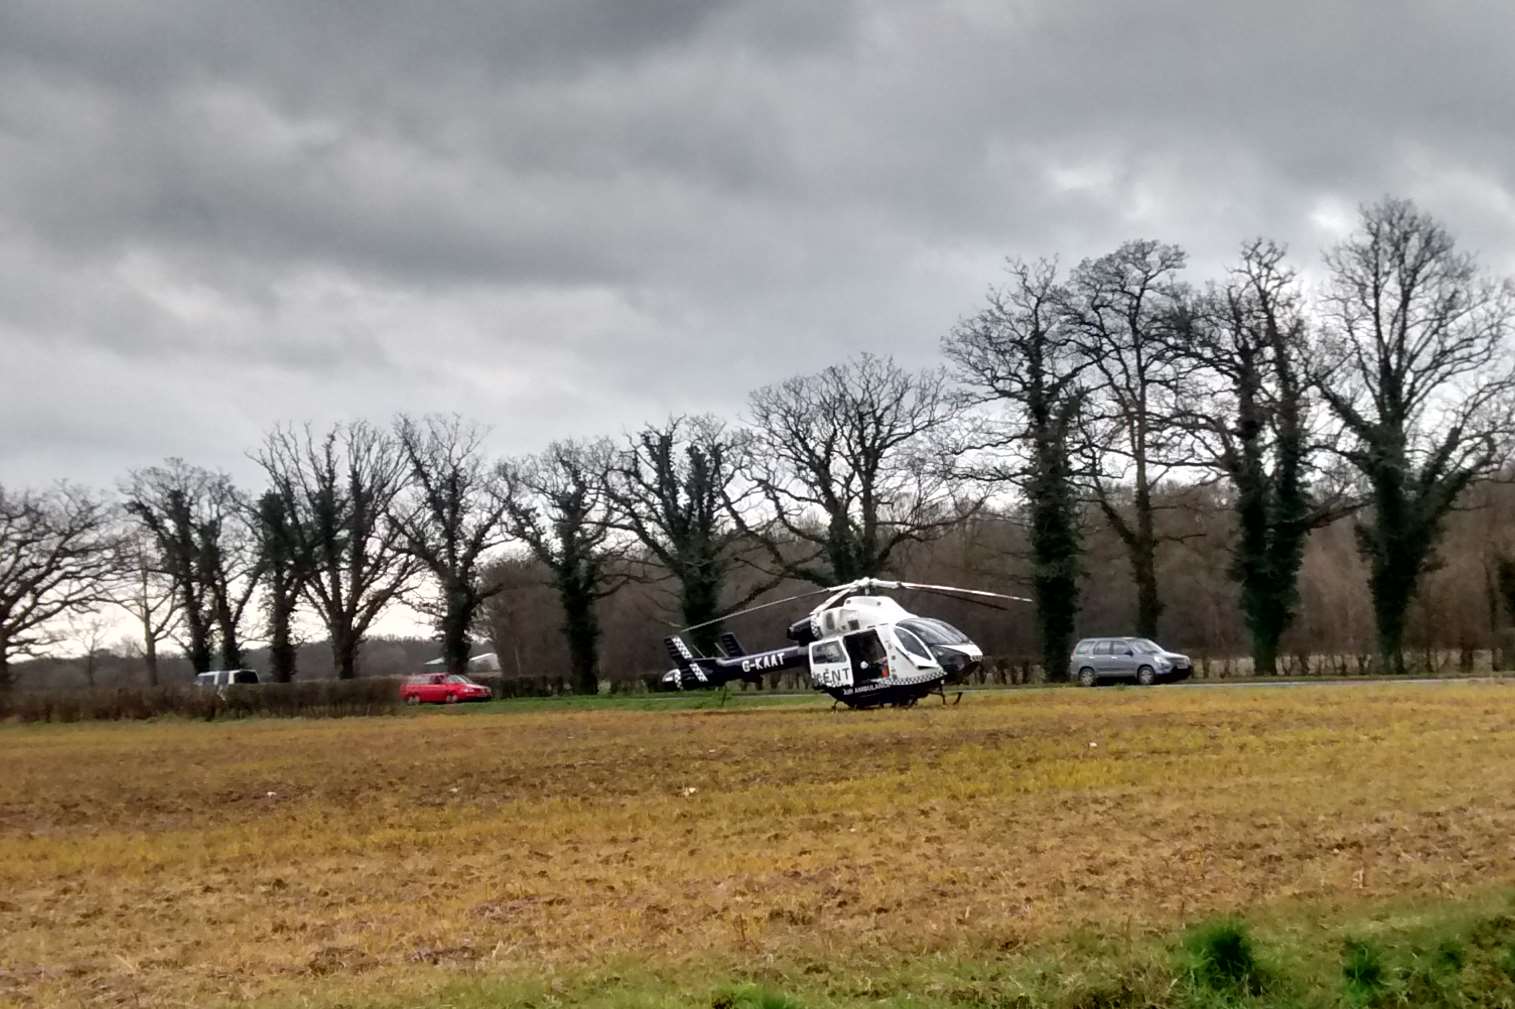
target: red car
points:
(442, 688)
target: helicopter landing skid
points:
(941, 691)
(905, 700)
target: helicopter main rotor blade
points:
(954, 590)
(754, 609)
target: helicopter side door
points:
(829, 665)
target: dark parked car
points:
(1138, 659)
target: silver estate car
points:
(1138, 659)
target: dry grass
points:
(181, 863)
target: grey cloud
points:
(565, 216)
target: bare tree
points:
(91, 632)
(147, 592)
(57, 551)
(673, 486)
(228, 566)
(1019, 354)
(1121, 308)
(1248, 410)
(850, 463)
(338, 490)
(198, 519)
(450, 519)
(557, 505)
(1419, 371)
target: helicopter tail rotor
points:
(689, 674)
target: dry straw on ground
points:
(181, 863)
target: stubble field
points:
(355, 862)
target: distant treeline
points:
(1231, 466)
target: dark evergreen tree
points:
(450, 519)
(1419, 371)
(673, 489)
(1248, 408)
(337, 492)
(1018, 355)
(284, 558)
(183, 508)
(556, 504)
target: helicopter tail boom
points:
(697, 671)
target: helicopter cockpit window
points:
(912, 644)
(935, 632)
(828, 651)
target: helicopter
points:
(863, 649)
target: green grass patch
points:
(1439, 959)
(1220, 957)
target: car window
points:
(244, 676)
(1082, 648)
(1101, 648)
(1146, 646)
(459, 678)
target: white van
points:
(218, 678)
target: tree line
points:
(1115, 401)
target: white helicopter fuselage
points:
(865, 645)
(864, 650)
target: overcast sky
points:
(563, 218)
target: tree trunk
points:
(1391, 638)
(1264, 652)
(700, 599)
(281, 647)
(583, 659)
(150, 659)
(231, 648)
(1392, 581)
(1148, 599)
(344, 653)
(456, 620)
(1054, 551)
(6, 682)
(199, 645)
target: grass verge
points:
(1448, 955)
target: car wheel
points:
(1145, 676)
(452, 698)
(413, 699)
(1086, 677)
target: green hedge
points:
(524, 686)
(308, 699)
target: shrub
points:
(1363, 971)
(751, 996)
(1221, 958)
